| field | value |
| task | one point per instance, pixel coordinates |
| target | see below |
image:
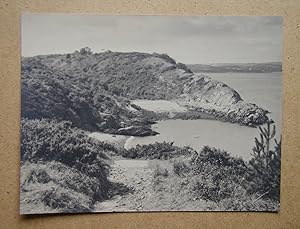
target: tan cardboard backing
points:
(10, 28)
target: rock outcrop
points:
(210, 96)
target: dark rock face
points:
(93, 91)
(137, 131)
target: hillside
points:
(53, 94)
(94, 91)
(237, 67)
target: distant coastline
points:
(237, 67)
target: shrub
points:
(49, 140)
(48, 186)
(85, 51)
(215, 174)
(44, 140)
(74, 166)
(218, 158)
(164, 150)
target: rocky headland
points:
(95, 91)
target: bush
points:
(45, 140)
(164, 150)
(58, 155)
(216, 174)
(218, 158)
(49, 140)
(48, 186)
(85, 51)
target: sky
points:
(191, 40)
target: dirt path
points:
(131, 185)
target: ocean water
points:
(263, 89)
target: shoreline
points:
(180, 109)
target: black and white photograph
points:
(150, 113)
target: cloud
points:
(188, 39)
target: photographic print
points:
(150, 113)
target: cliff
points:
(216, 98)
(94, 91)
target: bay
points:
(263, 89)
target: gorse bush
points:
(58, 153)
(164, 150)
(216, 174)
(219, 158)
(49, 140)
(44, 140)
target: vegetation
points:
(184, 67)
(63, 91)
(226, 182)
(61, 168)
(164, 150)
(265, 164)
(93, 90)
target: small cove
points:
(263, 89)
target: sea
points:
(263, 89)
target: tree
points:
(265, 164)
(85, 51)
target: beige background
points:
(10, 11)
